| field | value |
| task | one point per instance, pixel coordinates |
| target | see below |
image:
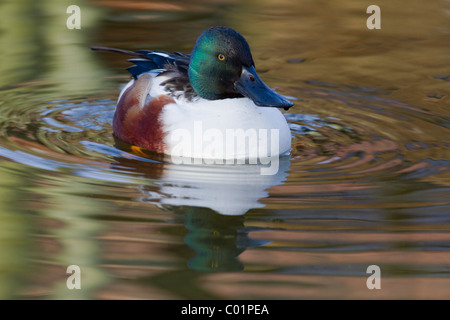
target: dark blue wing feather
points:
(164, 60)
(141, 66)
(176, 64)
(147, 60)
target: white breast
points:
(212, 130)
(229, 129)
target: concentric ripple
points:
(344, 138)
(361, 164)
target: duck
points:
(209, 104)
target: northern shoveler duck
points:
(188, 104)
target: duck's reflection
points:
(217, 239)
(213, 200)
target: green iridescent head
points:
(222, 67)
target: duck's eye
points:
(221, 57)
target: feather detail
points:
(175, 65)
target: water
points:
(367, 181)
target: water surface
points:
(367, 181)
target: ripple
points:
(345, 138)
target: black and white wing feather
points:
(173, 65)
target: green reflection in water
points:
(67, 202)
(14, 230)
(45, 228)
(38, 47)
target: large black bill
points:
(251, 86)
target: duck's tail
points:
(120, 51)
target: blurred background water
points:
(367, 181)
